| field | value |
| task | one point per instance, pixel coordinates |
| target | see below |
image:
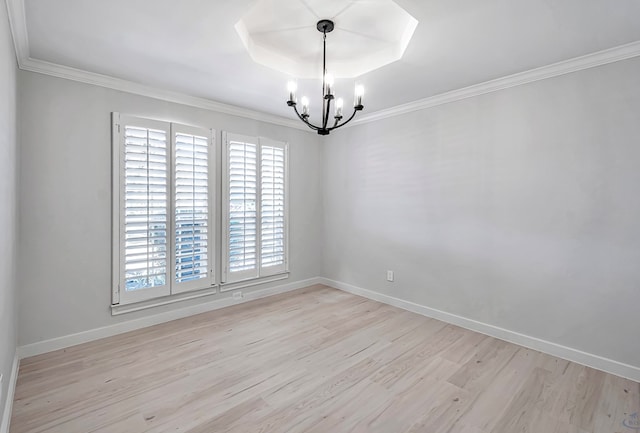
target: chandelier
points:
(325, 26)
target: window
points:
(165, 197)
(163, 218)
(255, 207)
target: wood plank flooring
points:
(316, 360)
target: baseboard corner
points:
(8, 406)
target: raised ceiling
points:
(191, 46)
(368, 35)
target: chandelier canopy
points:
(325, 26)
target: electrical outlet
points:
(237, 295)
(389, 275)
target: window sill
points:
(227, 287)
(118, 309)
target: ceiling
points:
(192, 46)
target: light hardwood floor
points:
(317, 360)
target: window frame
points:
(228, 281)
(120, 296)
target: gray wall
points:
(519, 208)
(65, 209)
(8, 202)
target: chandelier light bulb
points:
(359, 93)
(339, 105)
(292, 86)
(329, 80)
(305, 106)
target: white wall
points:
(519, 209)
(65, 210)
(8, 202)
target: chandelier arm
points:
(326, 114)
(322, 116)
(315, 128)
(345, 122)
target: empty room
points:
(322, 216)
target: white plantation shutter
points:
(254, 207)
(272, 207)
(241, 207)
(193, 228)
(144, 216)
(162, 215)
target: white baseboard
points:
(8, 406)
(568, 353)
(131, 325)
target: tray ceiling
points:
(282, 35)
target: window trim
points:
(115, 207)
(259, 272)
(119, 296)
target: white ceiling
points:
(191, 46)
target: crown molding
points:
(17, 21)
(18, 26)
(55, 70)
(598, 58)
